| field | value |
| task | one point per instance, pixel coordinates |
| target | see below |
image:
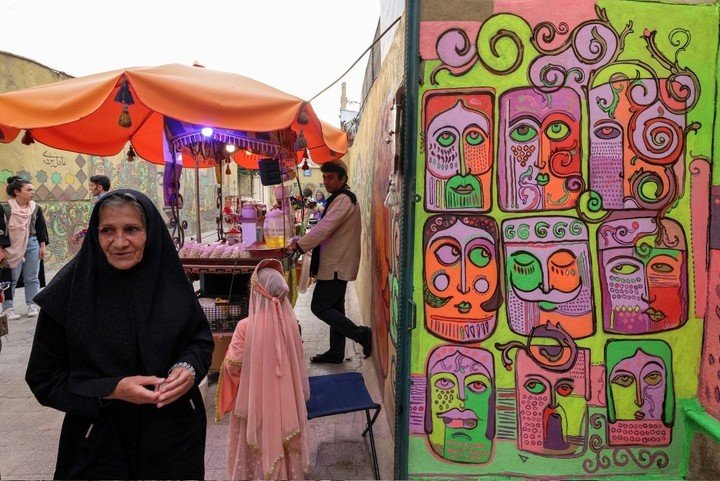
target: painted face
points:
(638, 387)
(461, 277)
(458, 150)
(636, 145)
(461, 397)
(640, 392)
(539, 150)
(122, 236)
(552, 415)
(644, 285)
(547, 275)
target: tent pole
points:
(197, 199)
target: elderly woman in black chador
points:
(120, 346)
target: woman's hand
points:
(177, 383)
(138, 389)
(41, 252)
(2, 254)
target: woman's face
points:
(122, 235)
(25, 194)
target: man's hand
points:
(178, 383)
(41, 253)
(291, 248)
(137, 389)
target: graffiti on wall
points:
(564, 166)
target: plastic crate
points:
(224, 317)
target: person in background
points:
(264, 383)
(99, 186)
(320, 198)
(22, 244)
(121, 345)
(335, 245)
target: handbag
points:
(304, 281)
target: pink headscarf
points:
(273, 384)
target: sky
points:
(298, 46)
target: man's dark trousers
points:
(328, 304)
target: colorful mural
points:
(564, 169)
(376, 171)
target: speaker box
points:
(270, 171)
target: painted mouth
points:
(459, 419)
(655, 315)
(639, 415)
(466, 189)
(463, 307)
(542, 179)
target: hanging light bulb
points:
(131, 154)
(305, 165)
(247, 152)
(207, 131)
(230, 148)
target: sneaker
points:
(11, 314)
(33, 311)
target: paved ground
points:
(29, 432)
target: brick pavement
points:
(29, 432)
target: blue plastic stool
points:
(343, 393)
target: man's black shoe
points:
(325, 358)
(367, 345)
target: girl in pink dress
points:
(263, 381)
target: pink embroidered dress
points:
(264, 383)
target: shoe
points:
(367, 345)
(33, 311)
(326, 358)
(11, 314)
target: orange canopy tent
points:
(161, 111)
(98, 114)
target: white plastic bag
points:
(304, 280)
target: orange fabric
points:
(80, 114)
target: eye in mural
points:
(640, 392)
(539, 153)
(460, 403)
(643, 275)
(636, 144)
(547, 275)
(458, 143)
(461, 277)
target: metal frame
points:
(406, 321)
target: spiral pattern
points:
(562, 163)
(659, 143)
(541, 229)
(455, 49)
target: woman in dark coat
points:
(120, 346)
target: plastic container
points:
(278, 228)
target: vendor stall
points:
(186, 117)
